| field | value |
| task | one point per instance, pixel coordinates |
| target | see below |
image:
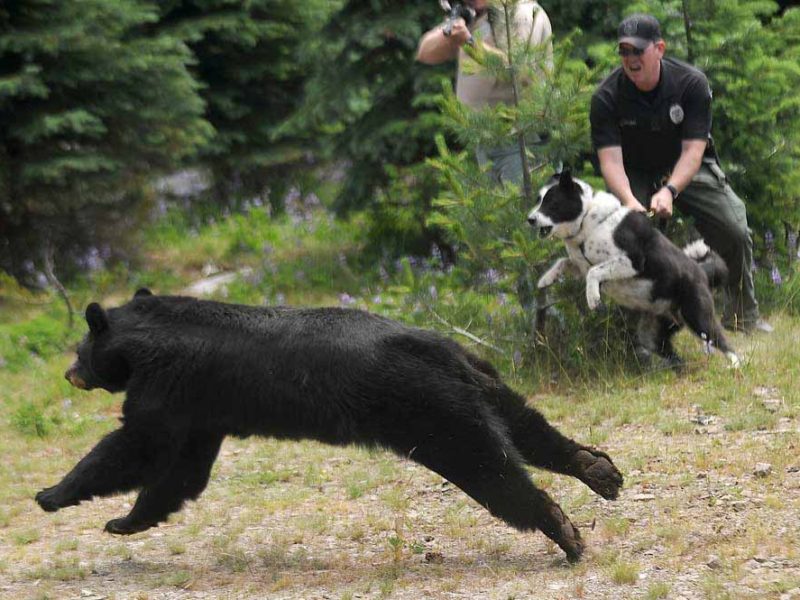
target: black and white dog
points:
(636, 264)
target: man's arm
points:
(613, 170)
(685, 169)
(435, 47)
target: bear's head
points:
(101, 362)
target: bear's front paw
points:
(126, 526)
(51, 499)
(596, 470)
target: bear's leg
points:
(543, 446)
(477, 457)
(120, 462)
(185, 480)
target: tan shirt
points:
(477, 89)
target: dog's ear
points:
(142, 293)
(565, 179)
(97, 318)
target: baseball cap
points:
(639, 30)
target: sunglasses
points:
(624, 52)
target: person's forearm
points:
(688, 164)
(613, 171)
(435, 47)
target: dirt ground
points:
(696, 519)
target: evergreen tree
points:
(373, 107)
(487, 222)
(89, 106)
(252, 60)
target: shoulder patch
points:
(676, 114)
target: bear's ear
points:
(97, 318)
(142, 293)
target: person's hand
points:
(635, 206)
(661, 203)
(459, 34)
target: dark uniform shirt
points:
(651, 125)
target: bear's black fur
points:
(195, 371)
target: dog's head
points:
(561, 204)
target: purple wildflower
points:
(492, 277)
(433, 292)
(346, 299)
(776, 276)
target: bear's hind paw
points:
(596, 470)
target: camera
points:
(456, 10)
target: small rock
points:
(435, 558)
(762, 469)
(773, 405)
(703, 420)
(643, 497)
(714, 562)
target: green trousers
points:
(720, 217)
(506, 163)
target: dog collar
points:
(580, 228)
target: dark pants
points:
(721, 219)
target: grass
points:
(300, 519)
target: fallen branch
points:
(467, 334)
(49, 273)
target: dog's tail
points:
(712, 264)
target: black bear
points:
(195, 371)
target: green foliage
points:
(251, 60)
(89, 105)
(29, 340)
(372, 108)
(29, 419)
(485, 221)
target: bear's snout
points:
(72, 376)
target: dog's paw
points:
(593, 296)
(544, 281)
(52, 499)
(597, 470)
(126, 526)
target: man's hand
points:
(459, 34)
(661, 203)
(635, 205)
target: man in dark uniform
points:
(651, 128)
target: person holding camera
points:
(651, 129)
(476, 89)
